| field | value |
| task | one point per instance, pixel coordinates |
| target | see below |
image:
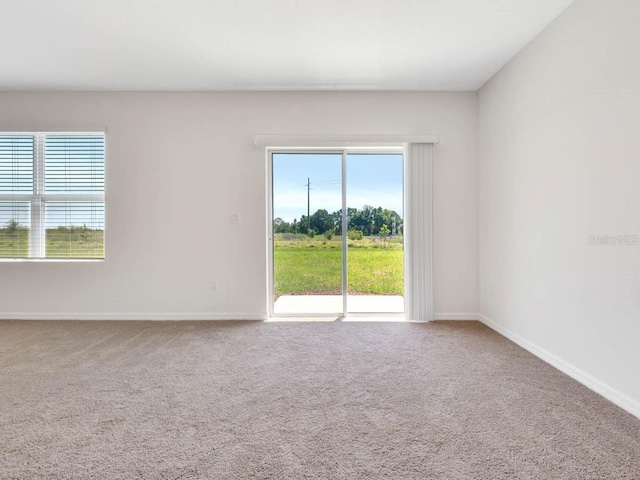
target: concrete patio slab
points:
(331, 304)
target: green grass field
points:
(88, 244)
(314, 266)
(302, 265)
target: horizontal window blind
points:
(16, 164)
(52, 195)
(74, 164)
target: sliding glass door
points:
(336, 233)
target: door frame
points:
(344, 152)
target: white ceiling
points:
(263, 44)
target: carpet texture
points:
(169, 400)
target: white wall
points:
(559, 153)
(180, 163)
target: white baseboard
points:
(456, 316)
(623, 401)
(177, 316)
(132, 316)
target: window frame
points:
(38, 198)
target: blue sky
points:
(371, 180)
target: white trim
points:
(133, 316)
(407, 256)
(72, 197)
(57, 131)
(322, 140)
(269, 247)
(37, 234)
(456, 316)
(345, 230)
(344, 152)
(623, 401)
(52, 260)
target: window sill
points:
(52, 260)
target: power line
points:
(308, 203)
(327, 181)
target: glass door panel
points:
(307, 247)
(375, 256)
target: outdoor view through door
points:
(330, 261)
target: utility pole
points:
(308, 204)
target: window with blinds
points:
(52, 195)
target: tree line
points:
(369, 221)
(82, 233)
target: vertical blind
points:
(52, 195)
(419, 185)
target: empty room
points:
(351, 239)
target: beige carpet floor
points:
(169, 400)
